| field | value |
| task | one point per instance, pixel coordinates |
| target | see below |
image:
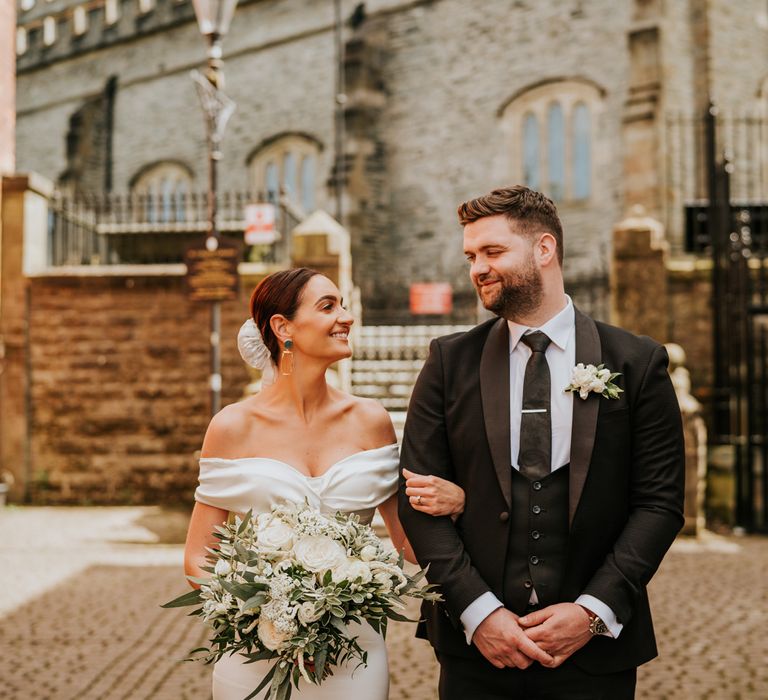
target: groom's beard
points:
(518, 294)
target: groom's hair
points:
(531, 211)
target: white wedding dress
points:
(356, 484)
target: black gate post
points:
(731, 325)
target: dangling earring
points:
(286, 358)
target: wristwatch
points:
(596, 625)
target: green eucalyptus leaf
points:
(190, 598)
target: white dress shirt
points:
(561, 357)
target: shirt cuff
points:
(477, 611)
(603, 612)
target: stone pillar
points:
(23, 217)
(695, 432)
(367, 208)
(640, 121)
(321, 243)
(639, 297)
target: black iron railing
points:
(111, 229)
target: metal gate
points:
(737, 227)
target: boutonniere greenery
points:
(589, 379)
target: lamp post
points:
(213, 18)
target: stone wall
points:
(667, 297)
(428, 81)
(443, 71)
(119, 387)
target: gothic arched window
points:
(162, 190)
(287, 163)
(556, 151)
(581, 161)
(552, 134)
(531, 151)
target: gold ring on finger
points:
(418, 500)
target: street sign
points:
(434, 298)
(260, 224)
(212, 271)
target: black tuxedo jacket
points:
(626, 482)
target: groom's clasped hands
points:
(549, 636)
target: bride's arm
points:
(438, 497)
(199, 536)
(222, 436)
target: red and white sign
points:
(260, 224)
(435, 298)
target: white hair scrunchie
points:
(254, 351)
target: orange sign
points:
(434, 298)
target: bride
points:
(298, 439)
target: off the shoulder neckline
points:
(293, 468)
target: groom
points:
(572, 498)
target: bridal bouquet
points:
(285, 584)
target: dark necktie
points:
(535, 456)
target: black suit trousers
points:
(476, 679)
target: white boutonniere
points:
(590, 379)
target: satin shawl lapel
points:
(584, 424)
(494, 392)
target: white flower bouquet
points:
(284, 585)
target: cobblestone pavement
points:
(79, 615)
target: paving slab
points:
(80, 590)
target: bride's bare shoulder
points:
(372, 418)
(228, 429)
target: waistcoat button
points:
(528, 584)
(534, 560)
(536, 485)
(535, 534)
(504, 516)
(536, 509)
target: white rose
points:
(604, 374)
(307, 613)
(222, 568)
(317, 553)
(352, 569)
(384, 580)
(262, 520)
(597, 385)
(581, 375)
(368, 553)
(270, 637)
(359, 570)
(276, 536)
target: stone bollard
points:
(695, 433)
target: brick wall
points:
(119, 376)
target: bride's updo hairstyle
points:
(278, 293)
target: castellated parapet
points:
(53, 31)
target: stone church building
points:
(595, 102)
